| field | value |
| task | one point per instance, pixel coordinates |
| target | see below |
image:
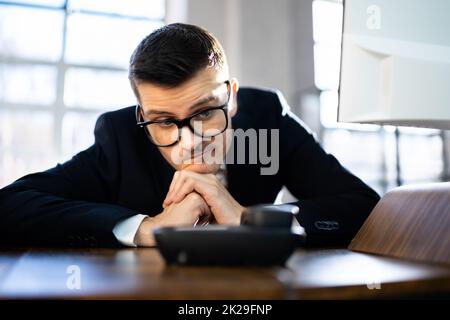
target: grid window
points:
(63, 63)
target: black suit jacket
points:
(78, 203)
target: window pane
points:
(26, 144)
(28, 84)
(418, 131)
(360, 152)
(50, 3)
(99, 40)
(31, 33)
(89, 88)
(14, 165)
(327, 22)
(77, 132)
(446, 141)
(390, 155)
(326, 66)
(420, 158)
(26, 130)
(153, 9)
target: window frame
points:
(58, 109)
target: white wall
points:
(268, 43)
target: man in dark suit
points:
(148, 167)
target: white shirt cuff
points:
(125, 230)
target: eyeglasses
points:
(206, 123)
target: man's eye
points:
(205, 114)
(165, 123)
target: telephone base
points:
(228, 245)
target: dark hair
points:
(173, 54)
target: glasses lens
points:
(164, 133)
(209, 123)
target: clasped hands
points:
(192, 198)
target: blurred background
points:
(64, 62)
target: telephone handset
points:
(270, 216)
(265, 237)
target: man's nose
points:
(188, 140)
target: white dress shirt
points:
(125, 230)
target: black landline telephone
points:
(265, 237)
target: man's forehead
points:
(155, 97)
(203, 82)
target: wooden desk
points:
(142, 274)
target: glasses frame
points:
(183, 122)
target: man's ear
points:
(234, 90)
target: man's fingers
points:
(173, 185)
(190, 184)
(185, 182)
(184, 190)
(206, 189)
(174, 179)
(179, 181)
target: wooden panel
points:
(142, 274)
(410, 222)
(130, 274)
(343, 274)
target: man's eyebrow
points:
(158, 112)
(203, 101)
(195, 105)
